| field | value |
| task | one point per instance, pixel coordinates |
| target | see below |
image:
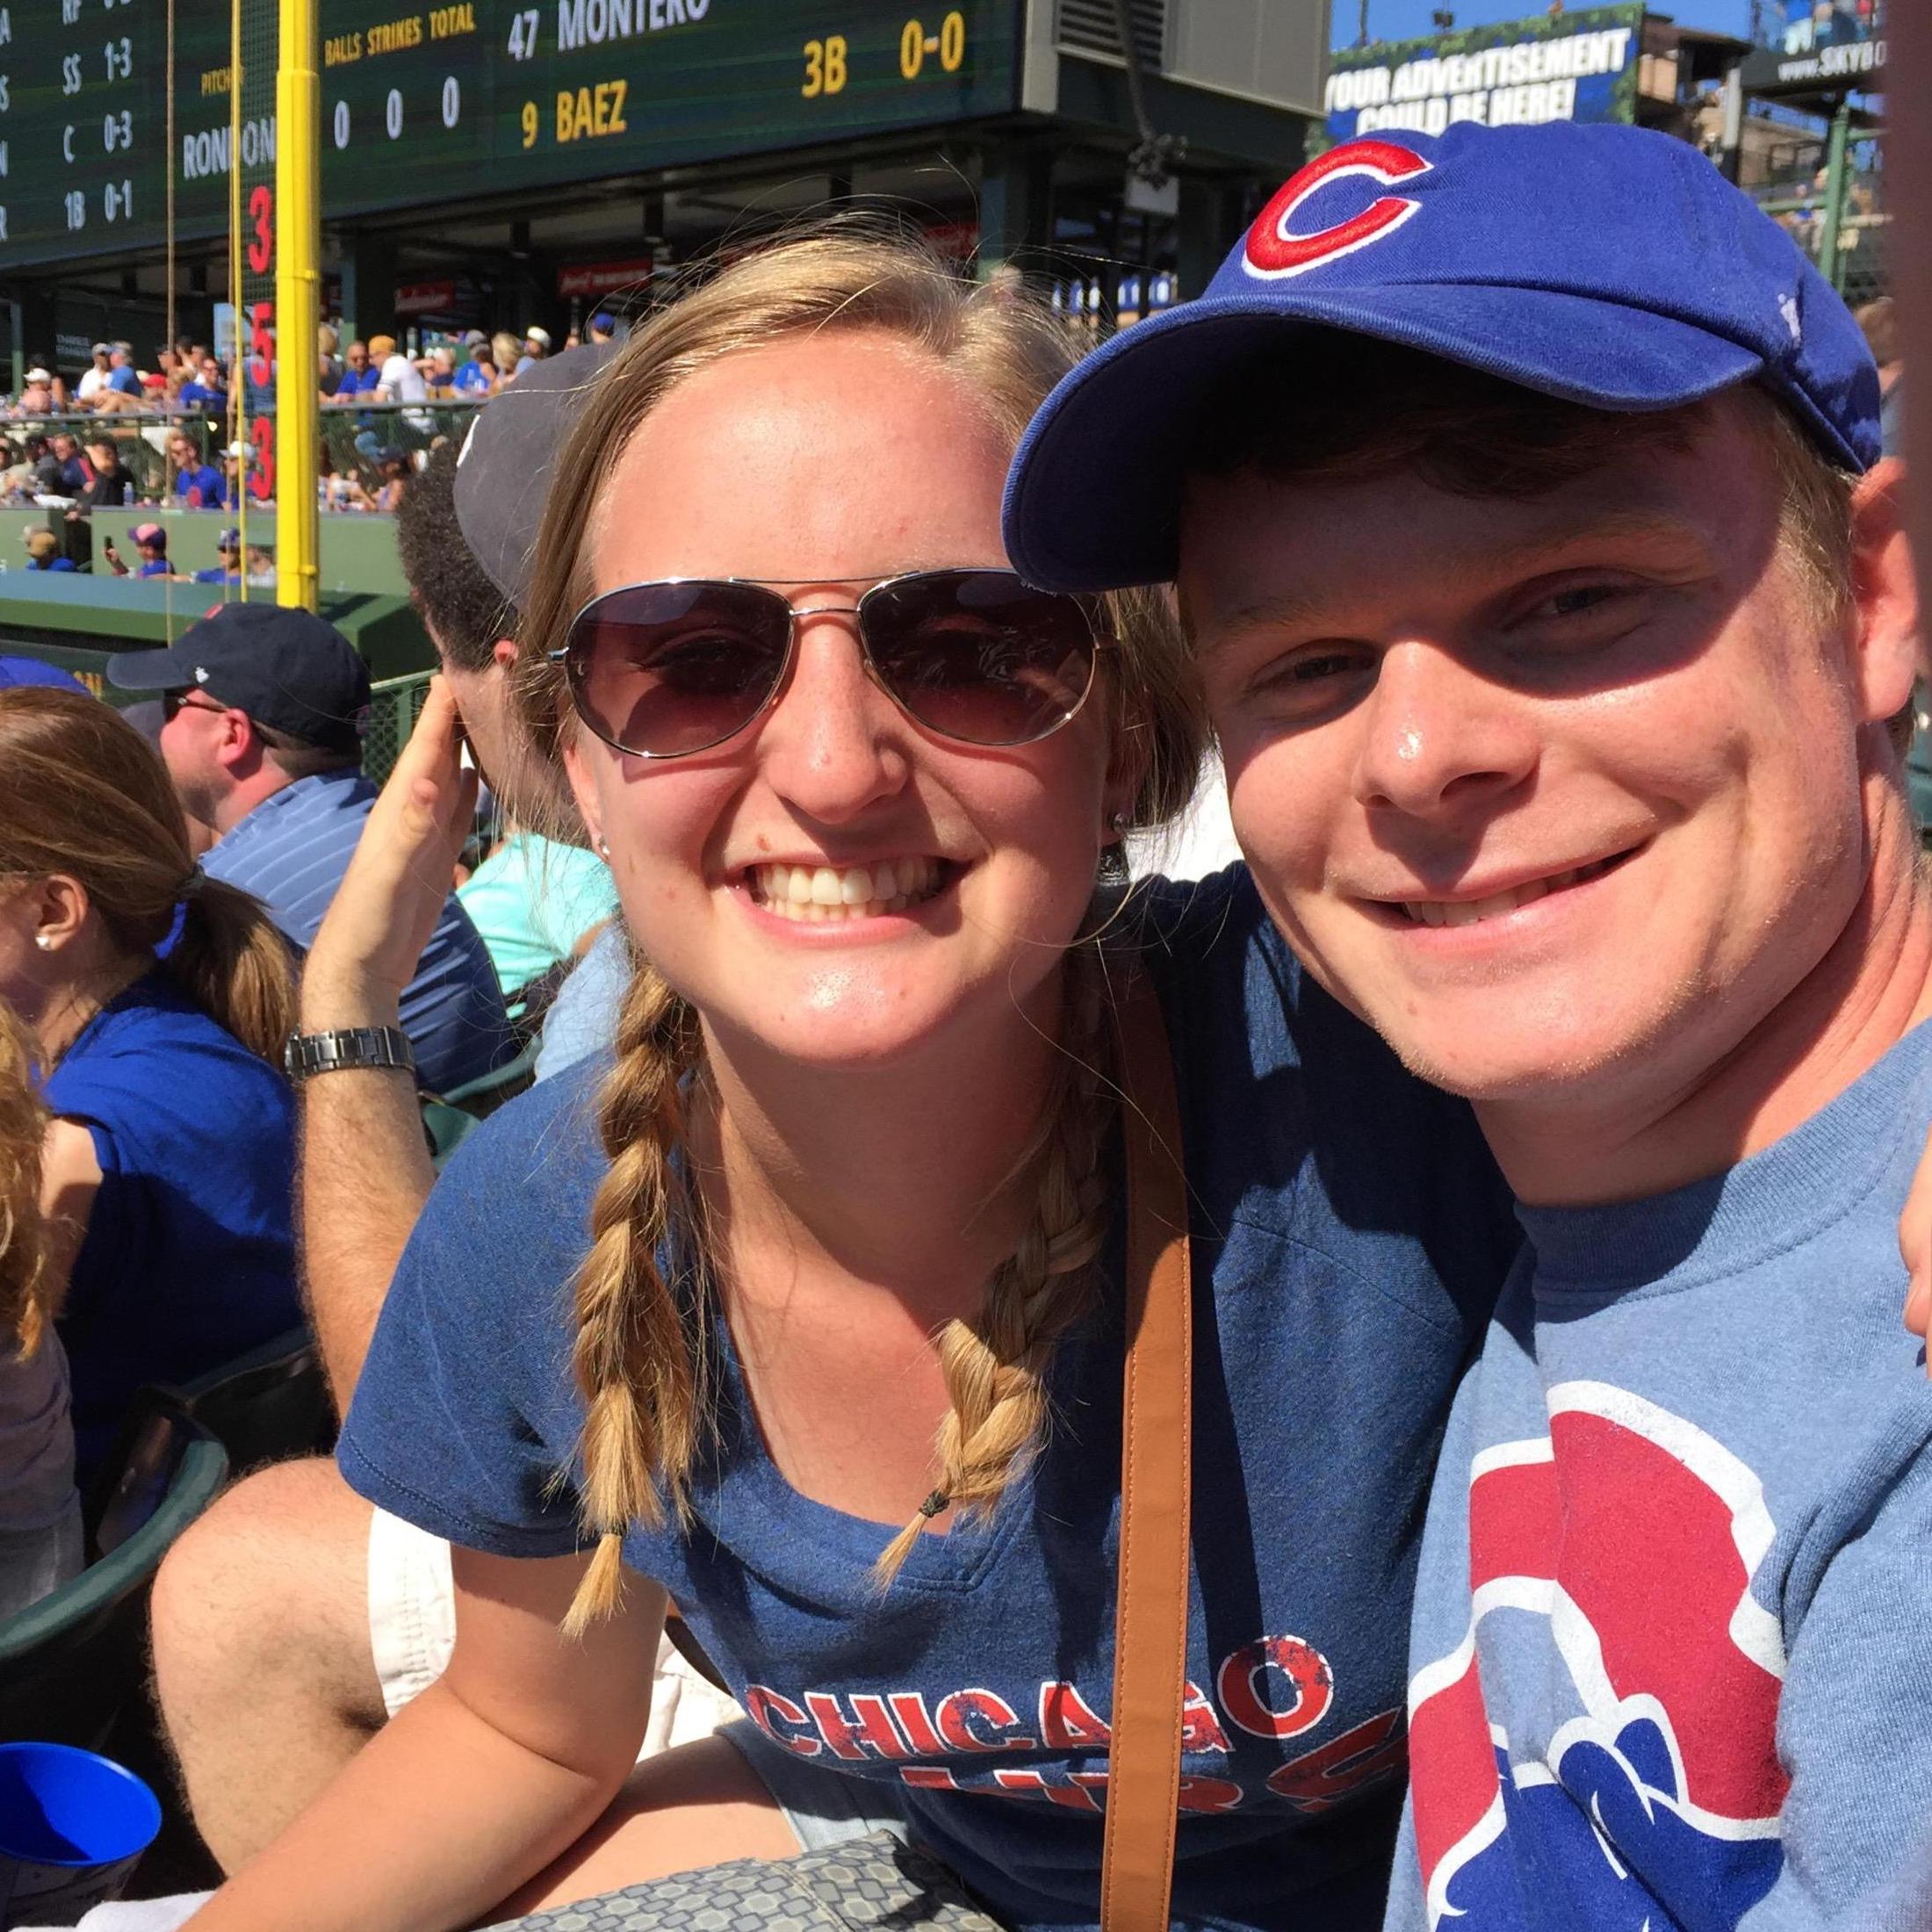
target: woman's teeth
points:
(1473, 911)
(817, 893)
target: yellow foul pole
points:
(297, 303)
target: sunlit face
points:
(1563, 792)
(191, 738)
(827, 464)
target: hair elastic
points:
(935, 1504)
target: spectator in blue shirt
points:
(122, 376)
(44, 552)
(150, 542)
(170, 1160)
(477, 375)
(360, 375)
(264, 711)
(198, 484)
(207, 389)
(62, 472)
(228, 571)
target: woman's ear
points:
(1126, 774)
(59, 906)
(1885, 593)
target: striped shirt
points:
(292, 852)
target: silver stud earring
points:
(44, 941)
(603, 848)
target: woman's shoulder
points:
(154, 1041)
(540, 1155)
(508, 1222)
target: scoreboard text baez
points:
(450, 101)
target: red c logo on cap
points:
(1273, 251)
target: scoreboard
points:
(450, 102)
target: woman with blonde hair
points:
(39, 1507)
(158, 1000)
(805, 1308)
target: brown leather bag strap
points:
(1151, 1627)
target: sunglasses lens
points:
(665, 669)
(979, 656)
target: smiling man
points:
(1523, 493)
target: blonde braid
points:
(633, 1360)
(995, 1365)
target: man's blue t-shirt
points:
(53, 563)
(204, 487)
(155, 566)
(218, 574)
(359, 382)
(1671, 1659)
(292, 852)
(124, 379)
(472, 379)
(189, 1259)
(195, 396)
(1349, 1233)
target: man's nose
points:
(1439, 736)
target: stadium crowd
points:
(691, 1110)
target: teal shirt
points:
(532, 899)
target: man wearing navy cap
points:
(265, 710)
(1524, 493)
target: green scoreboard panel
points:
(452, 102)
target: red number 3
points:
(261, 484)
(262, 213)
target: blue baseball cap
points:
(1610, 266)
(16, 671)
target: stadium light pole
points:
(298, 304)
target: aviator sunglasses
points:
(665, 669)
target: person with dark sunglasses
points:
(802, 1308)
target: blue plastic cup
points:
(73, 1827)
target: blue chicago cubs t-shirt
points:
(189, 1259)
(1350, 1234)
(1671, 1665)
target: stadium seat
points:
(448, 1118)
(68, 1663)
(269, 1404)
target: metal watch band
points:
(307, 1054)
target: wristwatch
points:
(310, 1053)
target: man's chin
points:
(1503, 1065)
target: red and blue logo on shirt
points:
(1620, 1549)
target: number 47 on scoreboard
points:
(523, 35)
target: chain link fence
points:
(394, 706)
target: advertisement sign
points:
(1823, 47)
(603, 278)
(1580, 66)
(425, 297)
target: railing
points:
(394, 705)
(1829, 193)
(356, 440)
